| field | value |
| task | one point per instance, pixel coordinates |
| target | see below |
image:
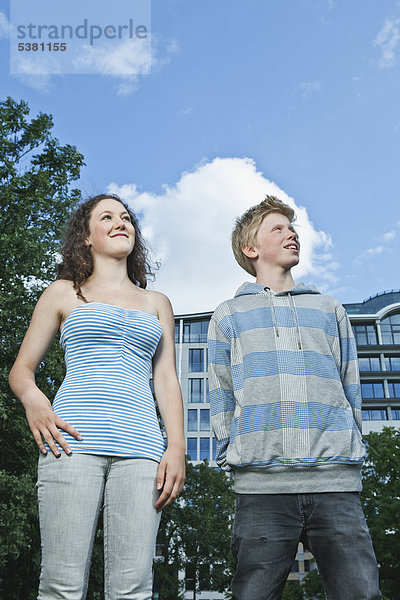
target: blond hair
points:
(247, 226)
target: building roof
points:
(373, 304)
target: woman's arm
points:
(171, 471)
(43, 422)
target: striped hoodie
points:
(284, 391)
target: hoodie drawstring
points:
(271, 301)
(296, 320)
(294, 313)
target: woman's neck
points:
(109, 274)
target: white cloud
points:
(368, 253)
(31, 72)
(390, 235)
(189, 226)
(127, 58)
(382, 245)
(185, 111)
(310, 87)
(128, 85)
(40, 83)
(4, 26)
(122, 61)
(173, 47)
(125, 62)
(387, 40)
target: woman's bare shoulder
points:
(59, 289)
(59, 295)
(160, 303)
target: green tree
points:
(312, 586)
(169, 554)
(292, 591)
(195, 534)
(381, 499)
(36, 198)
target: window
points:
(159, 548)
(205, 448)
(207, 392)
(196, 388)
(395, 414)
(192, 448)
(177, 327)
(204, 577)
(192, 419)
(392, 363)
(365, 335)
(196, 360)
(390, 328)
(308, 564)
(195, 331)
(205, 419)
(214, 448)
(394, 389)
(372, 389)
(190, 577)
(369, 363)
(374, 414)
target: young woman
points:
(100, 442)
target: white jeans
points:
(71, 492)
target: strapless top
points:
(106, 393)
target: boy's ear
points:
(250, 251)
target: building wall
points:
(378, 344)
(191, 350)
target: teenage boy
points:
(286, 410)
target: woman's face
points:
(111, 230)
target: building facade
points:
(376, 326)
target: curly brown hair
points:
(77, 263)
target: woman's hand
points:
(171, 470)
(170, 476)
(55, 302)
(45, 424)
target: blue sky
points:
(298, 98)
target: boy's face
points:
(277, 243)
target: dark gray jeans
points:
(332, 526)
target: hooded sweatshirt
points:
(285, 392)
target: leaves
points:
(312, 586)
(292, 591)
(35, 203)
(195, 534)
(381, 499)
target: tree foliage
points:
(195, 535)
(312, 586)
(36, 198)
(381, 499)
(292, 591)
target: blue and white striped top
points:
(106, 393)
